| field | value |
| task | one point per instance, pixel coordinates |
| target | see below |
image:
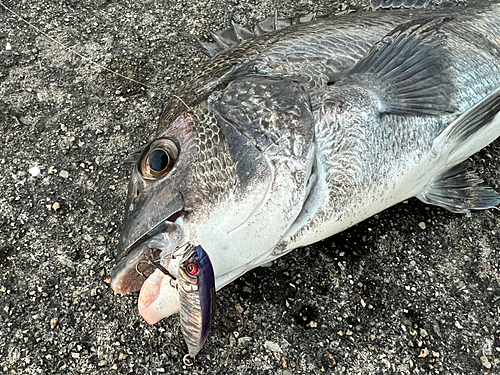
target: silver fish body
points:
(292, 135)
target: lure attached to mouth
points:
(196, 285)
(185, 284)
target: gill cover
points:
(197, 296)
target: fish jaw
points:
(161, 240)
(145, 230)
(147, 209)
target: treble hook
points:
(160, 267)
(155, 263)
(138, 270)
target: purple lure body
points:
(197, 296)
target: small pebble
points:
(56, 206)
(34, 171)
(424, 353)
(239, 308)
(330, 360)
(102, 363)
(243, 341)
(485, 362)
(421, 225)
(272, 346)
(8, 47)
(53, 322)
(64, 174)
(122, 356)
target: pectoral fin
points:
(407, 69)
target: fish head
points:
(155, 203)
(211, 179)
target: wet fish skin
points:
(297, 134)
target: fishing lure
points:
(196, 285)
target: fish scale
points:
(215, 169)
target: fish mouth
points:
(125, 277)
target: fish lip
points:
(150, 233)
(124, 277)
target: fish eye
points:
(192, 268)
(158, 159)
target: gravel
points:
(414, 289)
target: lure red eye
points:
(192, 269)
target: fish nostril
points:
(135, 190)
(134, 194)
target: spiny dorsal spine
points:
(236, 34)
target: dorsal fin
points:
(237, 34)
(407, 4)
(242, 33)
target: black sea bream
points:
(298, 129)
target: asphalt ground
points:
(413, 290)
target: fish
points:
(297, 129)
